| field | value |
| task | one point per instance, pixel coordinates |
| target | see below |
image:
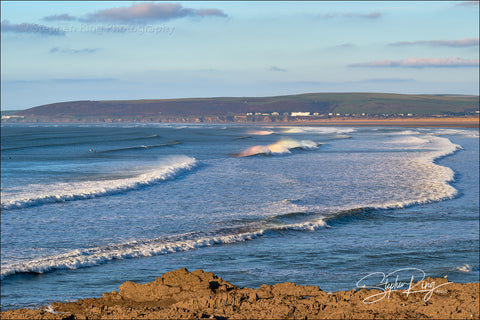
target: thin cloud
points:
(371, 15)
(381, 80)
(328, 16)
(81, 80)
(345, 45)
(420, 63)
(465, 42)
(31, 28)
(60, 17)
(209, 12)
(277, 69)
(150, 12)
(73, 51)
(63, 80)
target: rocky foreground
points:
(182, 294)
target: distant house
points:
(4, 117)
(275, 114)
(300, 114)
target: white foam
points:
(94, 256)
(411, 141)
(405, 132)
(441, 147)
(318, 130)
(433, 179)
(305, 226)
(50, 309)
(415, 178)
(82, 258)
(260, 132)
(465, 268)
(473, 133)
(42, 194)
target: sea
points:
(85, 208)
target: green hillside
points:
(322, 103)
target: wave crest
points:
(95, 256)
(82, 258)
(61, 192)
(280, 147)
(260, 132)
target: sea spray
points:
(281, 147)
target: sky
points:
(54, 51)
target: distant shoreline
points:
(319, 108)
(448, 122)
(462, 122)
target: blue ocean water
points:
(88, 207)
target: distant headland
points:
(310, 107)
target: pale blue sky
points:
(63, 51)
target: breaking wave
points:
(61, 192)
(465, 268)
(81, 258)
(305, 226)
(94, 256)
(260, 132)
(404, 133)
(280, 147)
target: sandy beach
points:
(193, 295)
(447, 122)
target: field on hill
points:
(228, 108)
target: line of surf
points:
(82, 258)
(95, 256)
(440, 182)
(71, 143)
(142, 147)
(169, 169)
